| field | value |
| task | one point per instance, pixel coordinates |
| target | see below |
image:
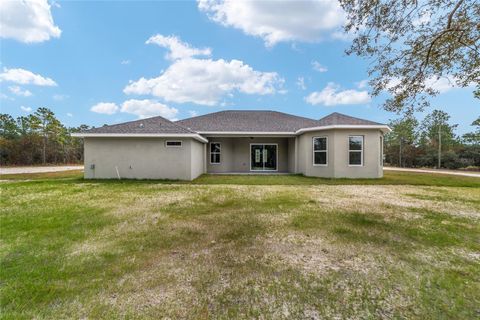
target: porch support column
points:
(205, 146)
(296, 155)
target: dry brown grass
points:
(230, 251)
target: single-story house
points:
(336, 146)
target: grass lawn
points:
(272, 247)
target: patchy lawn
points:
(390, 178)
(230, 247)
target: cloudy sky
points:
(114, 61)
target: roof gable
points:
(342, 119)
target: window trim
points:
(168, 141)
(276, 158)
(219, 152)
(313, 152)
(361, 151)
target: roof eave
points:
(383, 128)
(140, 135)
(247, 133)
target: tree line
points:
(39, 138)
(431, 143)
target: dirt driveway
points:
(16, 170)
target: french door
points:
(263, 157)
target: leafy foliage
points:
(411, 44)
(414, 144)
(38, 138)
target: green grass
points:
(227, 247)
(390, 178)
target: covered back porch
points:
(251, 155)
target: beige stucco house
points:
(261, 142)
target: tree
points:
(38, 138)
(437, 135)
(48, 127)
(400, 142)
(412, 44)
(8, 136)
(473, 138)
(8, 127)
(471, 142)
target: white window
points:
(355, 150)
(173, 144)
(320, 152)
(215, 152)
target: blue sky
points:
(91, 64)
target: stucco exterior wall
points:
(235, 154)
(305, 154)
(142, 158)
(337, 165)
(226, 156)
(372, 167)
(149, 158)
(197, 158)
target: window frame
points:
(215, 152)
(173, 146)
(361, 151)
(326, 151)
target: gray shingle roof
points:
(247, 121)
(264, 121)
(143, 126)
(230, 121)
(342, 119)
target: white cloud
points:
(60, 97)
(318, 67)
(178, 49)
(125, 62)
(301, 83)
(332, 96)
(27, 21)
(141, 108)
(26, 109)
(422, 18)
(278, 21)
(206, 81)
(442, 84)
(362, 84)
(19, 91)
(69, 114)
(105, 108)
(192, 113)
(148, 108)
(22, 76)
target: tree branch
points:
(450, 16)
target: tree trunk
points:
(439, 147)
(44, 154)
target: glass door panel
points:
(263, 157)
(256, 155)
(270, 157)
